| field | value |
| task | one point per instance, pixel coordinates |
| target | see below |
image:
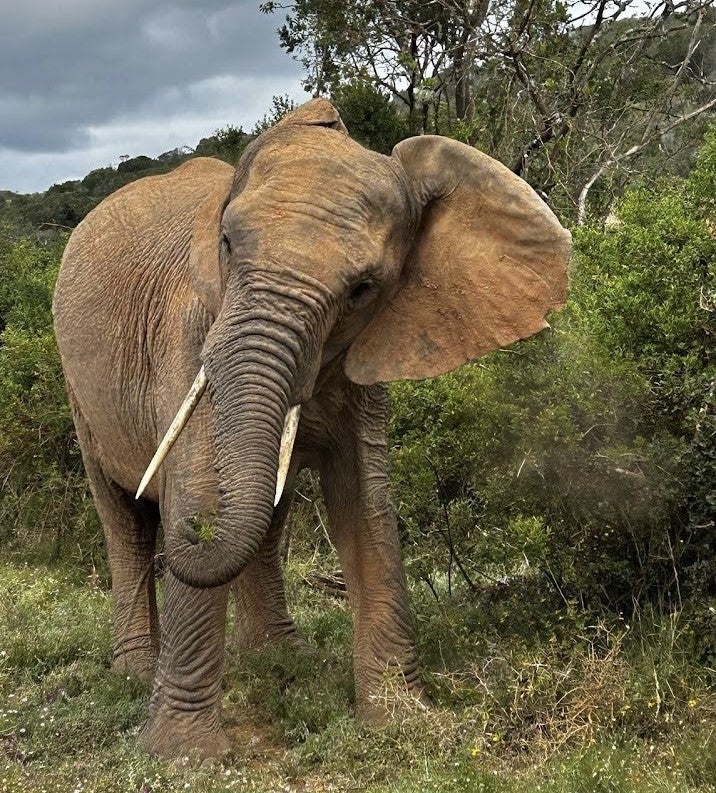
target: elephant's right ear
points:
(206, 265)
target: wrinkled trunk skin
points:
(257, 355)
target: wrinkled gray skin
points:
(311, 274)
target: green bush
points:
(227, 143)
(45, 510)
(586, 453)
(370, 116)
(646, 288)
(519, 463)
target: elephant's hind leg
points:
(130, 530)
(261, 615)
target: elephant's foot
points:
(190, 735)
(394, 692)
(247, 636)
(138, 661)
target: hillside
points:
(63, 205)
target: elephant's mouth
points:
(191, 400)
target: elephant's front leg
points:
(185, 709)
(354, 479)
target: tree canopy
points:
(576, 97)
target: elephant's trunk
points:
(257, 356)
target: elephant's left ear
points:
(488, 263)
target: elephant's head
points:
(323, 252)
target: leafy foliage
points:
(226, 143)
(44, 506)
(572, 96)
(587, 452)
(280, 106)
(370, 116)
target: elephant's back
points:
(146, 221)
(122, 280)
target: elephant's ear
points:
(315, 113)
(208, 271)
(488, 262)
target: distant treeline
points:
(64, 205)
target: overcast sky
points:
(83, 82)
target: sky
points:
(84, 82)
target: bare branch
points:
(618, 158)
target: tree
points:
(135, 164)
(227, 143)
(370, 115)
(405, 48)
(280, 106)
(575, 97)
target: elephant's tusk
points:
(288, 437)
(183, 415)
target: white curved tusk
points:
(290, 427)
(183, 415)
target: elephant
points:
(310, 275)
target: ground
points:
(531, 693)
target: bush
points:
(136, 164)
(518, 463)
(645, 288)
(370, 116)
(45, 510)
(587, 452)
(227, 143)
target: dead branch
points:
(617, 158)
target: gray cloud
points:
(100, 77)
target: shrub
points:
(588, 451)
(372, 118)
(44, 506)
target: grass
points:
(531, 694)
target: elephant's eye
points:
(361, 290)
(226, 242)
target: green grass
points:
(531, 694)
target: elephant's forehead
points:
(315, 161)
